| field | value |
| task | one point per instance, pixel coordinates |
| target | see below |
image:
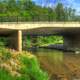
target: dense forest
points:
(27, 10)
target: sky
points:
(72, 3)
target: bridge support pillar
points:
(19, 40)
(72, 42)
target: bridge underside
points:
(51, 31)
(71, 36)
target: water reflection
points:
(56, 57)
(59, 65)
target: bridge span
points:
(69, 30)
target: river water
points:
(59, 65)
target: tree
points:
(27, 10)
(3, 6)
(60, 13)
(71, 14)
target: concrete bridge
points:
(69, 30)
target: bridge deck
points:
(40, 28)
(32, 25)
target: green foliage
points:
(26, 42)
(29, 68)
(5, 75)
(23, 77)
(32, 68)
(60, 14)
(3, 41)
(27, 10)
(42, 41)
(6, 55)
(50, 40)
(4, 52)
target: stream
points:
(58, 64)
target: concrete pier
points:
(19, 40)
(72, 41)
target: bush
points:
(6, 54)
(31, 67)
(23, 67)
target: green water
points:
(59, 65)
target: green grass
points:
(5, 75)
(33, 69)
(27, 66)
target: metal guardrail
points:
(24, 19)
(17, 19)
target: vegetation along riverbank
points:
(19, 66)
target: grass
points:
(5, 75)
(20, 66)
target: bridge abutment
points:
(72, 42)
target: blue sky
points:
(72, 3)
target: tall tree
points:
(60, 13)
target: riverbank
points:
(20, 66)
(60, 47)
(53, 46)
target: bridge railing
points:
(44, 18)
(25, 19)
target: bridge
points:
(16, 30)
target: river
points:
(59, 65)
